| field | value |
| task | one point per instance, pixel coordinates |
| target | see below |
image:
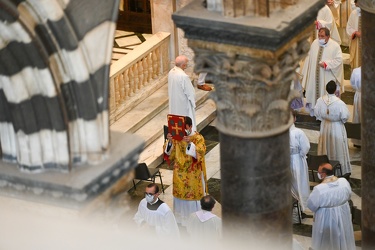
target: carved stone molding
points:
(252, 86)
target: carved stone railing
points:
(138, 74)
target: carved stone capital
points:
(253, 86)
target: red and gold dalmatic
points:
(188, 171)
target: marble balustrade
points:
(138, 73)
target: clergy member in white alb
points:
(355, 81)
(353, 29)
(203, 224)
(326, 19)
(332, 228)
(156, 215)
(299, 146)
(181, 91)
(333, 141)
(323, 64)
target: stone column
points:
(252, 61)
(368, 124)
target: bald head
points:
(325, 169)
(181, 62)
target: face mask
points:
(319, 176)
(358, 9)
(322, 41)
(188, 132)
(149, 198)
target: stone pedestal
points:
(81, 185)
(252, 61)
(368, 124)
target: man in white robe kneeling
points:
(332, 228)
(153, 213)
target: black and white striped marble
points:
(54, 74)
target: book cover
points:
(176, 126)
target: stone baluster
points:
(127, 83)
(112, 100)
(150, 68)
(155, 63)
(140, 75)
(131, 81)
(145, 71)
(136, 77)
(122, 88)
(165, 58)
(117, 90)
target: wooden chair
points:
(353, 130)
(296, 205)
(142, 172)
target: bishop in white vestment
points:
(323, 64)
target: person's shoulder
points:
(164, 208)
(333, 43)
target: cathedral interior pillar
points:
(368, 123)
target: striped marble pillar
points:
(252, 60)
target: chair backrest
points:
(165, 132)
(142, 172)
(314, 161)
(353, 130)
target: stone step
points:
(143, 112)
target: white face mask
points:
(319, 176)
(322, 41)
(358, 9)
(149, 198)
(188, 132)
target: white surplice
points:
(355, 81)
(332, 228)
(162, 220)
(332, 56)
(299, 147)
(204, 225)
(333, 140)
(326, 19)
(181, 94)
